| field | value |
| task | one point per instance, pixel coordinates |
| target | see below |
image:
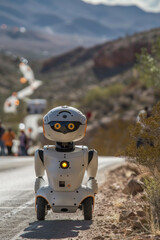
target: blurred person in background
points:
(29, 138)
(2, 146)
(143, 114)
(8, 137)
(23, 143)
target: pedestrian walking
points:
(2, 146)
(143, 114)
(23, 143)
(8, 137)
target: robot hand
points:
(38, 183)
(92, 184)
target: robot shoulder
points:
(82, 148)
(49, 150)
(48, 147)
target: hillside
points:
(100, 80)
(41, 29)
(77, 17)
(9, 77)
(38, 44)
(72, 77)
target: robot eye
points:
(71, 126)
(57, 126)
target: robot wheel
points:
(87, 206)
(41, 208)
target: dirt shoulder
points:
(118, 215)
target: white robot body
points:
(65, 165)
(64, 179)
(65, 190)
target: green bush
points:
(148, 155)
(148, 66)
(152, 188)
(100, 93)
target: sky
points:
(147, 5)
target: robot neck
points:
(65, 147)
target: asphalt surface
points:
(17, 212)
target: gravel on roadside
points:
(118, 216)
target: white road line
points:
(16, 210)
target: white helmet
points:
(64, 124)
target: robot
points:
(65, 164)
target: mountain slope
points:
(77, 17)
(98, 79)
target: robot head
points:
(64, 124)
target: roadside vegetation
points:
(148, 66)
(147, 154)
(109, 139)
(103, 93)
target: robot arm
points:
(92, 170)
(39, 170)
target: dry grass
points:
(111, 139)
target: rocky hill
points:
(100, 78)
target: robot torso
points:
(65, 170)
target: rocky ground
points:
(118, 215)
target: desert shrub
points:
(148, 132)
(100, 93)
(108, 139)
(152, 188)
(148, 155)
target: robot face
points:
(64, 124)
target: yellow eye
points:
(57, 126)
(71, 126)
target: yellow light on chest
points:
(64, 164)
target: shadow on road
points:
(55, 229)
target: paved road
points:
(17, 215)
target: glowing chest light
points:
(64, 164)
